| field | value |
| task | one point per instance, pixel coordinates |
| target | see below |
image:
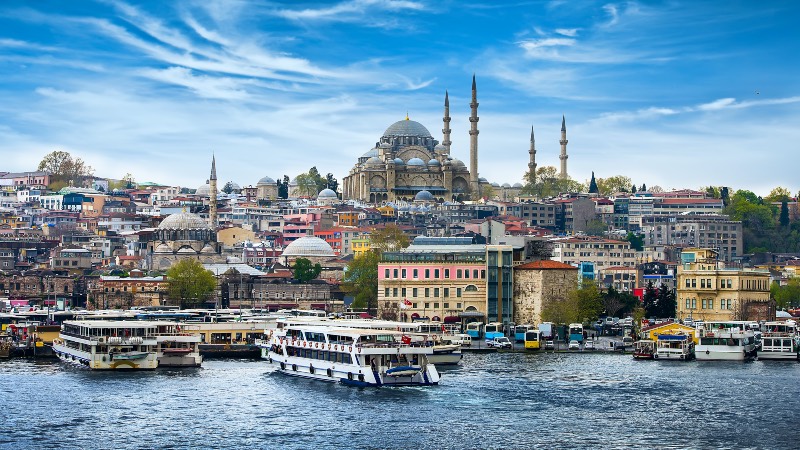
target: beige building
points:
(603, 253)
(267, 189)
(234, 235)
(539, 283)
(708, 291)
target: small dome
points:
(265, 181)
(457, 162)
(506, 185)
(385, 145)
(518, 185)
(309, 246)
(495, 185)
(183, 221)
(203, 191)
(440, 148)
(371, 153)
(407, 128)
(424, 196)
(374, 161)
(416, 162)
(399, 161)
(483, 180)
(327, 194)
(434, 162)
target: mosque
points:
(408, 164)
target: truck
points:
(546, 330)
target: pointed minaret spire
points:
(446, 129)
(563, 142)
(532, 163)
(212, 201)
(213, 167)
(473, 143)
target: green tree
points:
(633, 189)
(650, 301)
(596, 227)
(388, 239)
(784, 219)
(667, 304)
(306, 185)
(305, 270)
(547, 183)
(64, 168)
(787, 296)
(711, 191)
(593, 189)
(228, 188)
(331, 182)
(724, 194)
(589, 301)
(190, 284)
(488, 192)
(779, 194)
(636, 240)
(644, 188)
(610, 185)
(283, 187)
(361, 281)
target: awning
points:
(415, 316)
(452, 319)
(471, 314)
(436, 319)
(365, 316)
(19, 302)
(420, 188)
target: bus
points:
(532, 339)
(493, 330)
(576, 332)
(520, 330)
(475, 329)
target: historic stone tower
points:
(473, 143)
(446, 130)
(532, 153)
(563, 143)
(212, 185)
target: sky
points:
(679, 94)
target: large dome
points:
(407, 128)
(309, 246)
(266, 181)
(183, 221)
(327, 194)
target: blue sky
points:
(675, 93)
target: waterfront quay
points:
(491, 400)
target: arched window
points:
(471, 288)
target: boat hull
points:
(104, 362)
(711, 354)
(779, 356)
(674, 356)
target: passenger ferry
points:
(178, 345)
(359, 357)
(644, 349)
(779, 341)
(675, 347)
(108, 345)
(728, 341)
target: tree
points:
(724, 194)
(189, 283)
(283, 187)
(667, 304)
(596, 227)
(228, 188)
(306, 185)
(610, 185)
(593, 189)
(656, 189)
(64, 168)
(650, 300)
(636, 240)
(644, 188)
(331, 182)
(388, 239)
(305, 271)
(547, 183)
(361, 281)
(787, 296)
(612, 302)
(711, 191)
(55, 162)
(633, 189)
(784, 219)
(487, 192)
(779, 194)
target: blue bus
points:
(493, 330)
(475, 330)
(520, 330)
(576, 332)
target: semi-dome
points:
(183, 221)
(371, 153)
(309, 246)
(162, 248)
(424, 196)
(434, 162)
(265, 181)
(399, 161)
(415, 162)
(407, 128)
(374, 161)
(327, 194)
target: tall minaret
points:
(446, 130)
(473, 143)
(212, 186)
(563, 143)
(532, 153)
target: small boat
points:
(403, 371)
(644, 349)
(728, 341)
(779, 341)
(675, 347)
(108, 345)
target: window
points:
(687, 303)
(446, 306)
(427, 305)
(704, 303)
(458, 274)
(394, 292)
(694, 282)
(385, 292)
(458, 305)
(435, 306)
(416, 273)
(483, 274)
(694, 303)
(386, 273)
(435, 292)
(475, 273)
(403, 292)
(711, 303)
(708, 283)
(729, 282)
(403, 273)
(466, 273)
(427, 292)
(458, 293)
(447, 292)
(447, 273)
(688, 283)
(395, 273)
(702, 283)
(427, 273)
(436, 273)
(414, 292)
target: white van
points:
(463, 340)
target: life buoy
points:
(316, 345)
(350, 349)
(304, 343)
(336, 348)
(329, 346)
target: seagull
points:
(757, 92)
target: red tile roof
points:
(544, 265)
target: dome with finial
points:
(424, 196)
(308, 246)
(183, 221)
(416, 162)
(327, 194)
(406, 127)
(266, 181)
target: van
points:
(463, 340)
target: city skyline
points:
(674, 94)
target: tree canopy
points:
(388, 239)
(582, 304)
(64, 168)
(361, 281)
(610, 185)
(305, 270)
(547, 183)
(190, 284)
(787, 296)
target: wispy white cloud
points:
(348, 11)
(613, 14)
(571, 32)
(415, 85)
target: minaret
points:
(532, 153)
(212, 185)
(473, 143)
(563, 142)
(446, 130)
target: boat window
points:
(346, 358)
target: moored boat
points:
(725, 341)
(779, 341)
(178, 345)
(108, 345)
(644, 349)
(674, 347)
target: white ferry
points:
(352, 356)
(780, 341)
(178, 345)
(731, 341)
(674, 347)
(108, 345)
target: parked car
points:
(588, 345)
(549, 345)
(627, 341)
(463, 340)
(574, 345)
(498, 342)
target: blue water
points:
(502, 400)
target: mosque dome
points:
(327, 194)
(440, 148)
(266, 181)
(374, 161)
(371, 153)
(457, 162)
(407, 128)
(399, 161)
(424, 196)
(416, 162)
(495, 185)
(506, 185)
(309, 246)
(183, 221)
(434, 162)
(203, 191)
(517, 185)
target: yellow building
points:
(706, 290)
(234, 235)
(360, 245)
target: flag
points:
(406, 303)
(406, 339)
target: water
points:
(502, 400)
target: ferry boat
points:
(359, 357)
(178, 345)
(674, 347)
(779, 341)
(108, 345)
(727, 341)
(644, 349)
